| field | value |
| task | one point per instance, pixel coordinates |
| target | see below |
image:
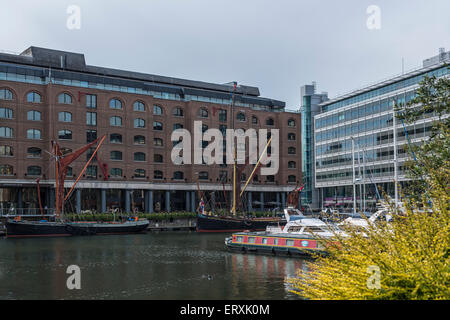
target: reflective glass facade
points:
(368, 118)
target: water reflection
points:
(154, 266)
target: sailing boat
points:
(235, 222)
(61, 228)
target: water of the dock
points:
(161, 265)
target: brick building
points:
(50, 95)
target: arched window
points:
(291, 150)
(291, 136)
(65, 116)
(34, 171)
(138, 106)
(158, 158)
(116, 155)
(139, 156)
(157, 142)
(203, 113)
(292, 179)
(6, 94)
(203, 175)
(157, 110)
(240, 116)
(65, 135)
(115, 104)
(34, 152)
(157, 126)
(33, 97)
(178, 112)
(115, 121)
(157, 174)
(6, 113)
(292, 164)
(139, 173)
(6, 170)
(291, 123)
(65, 98)
(254, 120)
(270, 122)
(139, 123)
(177, 126)
(178, 175)
(115, 138)
(139, 140)
(6, 132)
(6, 151)
(34, 115)
(116, 172)
(34, 134)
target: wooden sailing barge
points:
(60, 227)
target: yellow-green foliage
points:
(411, 253)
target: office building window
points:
(139, 173)
(139, 123)
(65, 98)
(65, 116)
(115, 138)
(157, 110)
(91, 135)
(139, 106)
(116, 155)
(34, 171)
(116, 172)
(91, 118)
(139, 156)
(65, 135)
(139, 140)
(6, 113)
(33, 97)
(91, 101)
(34, 134)
(6, 94)
(115, 104)
(115, 121)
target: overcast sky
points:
(275, 45)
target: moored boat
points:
(300, 236)
(27, 229)
(23, 229)
(96, 228)
(207, 223)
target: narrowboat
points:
(299, 237)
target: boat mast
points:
(353, 170)
(395, 156)
(233, 208)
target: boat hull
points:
(23, 229)
(229, 224)
(281, 245)
(84, 229)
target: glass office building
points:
(310, 107)
(366, 117)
